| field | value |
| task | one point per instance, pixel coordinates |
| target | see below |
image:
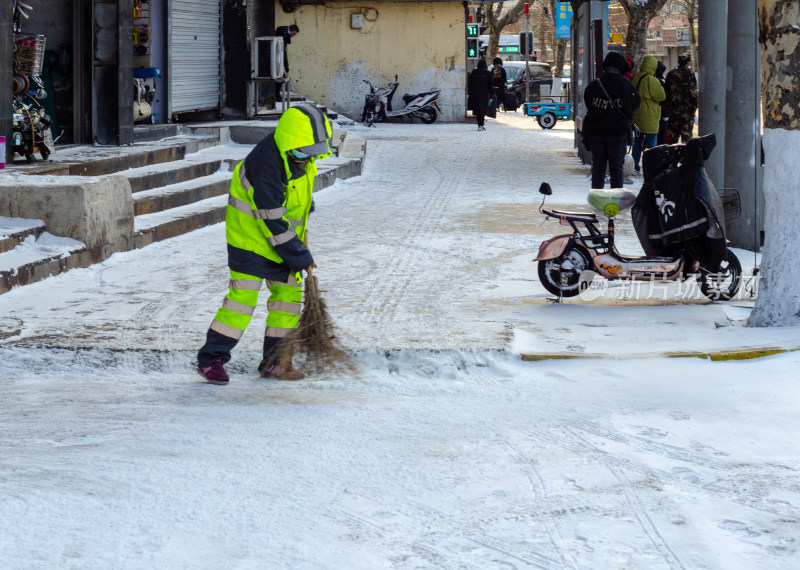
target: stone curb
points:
(719, 355)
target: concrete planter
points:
(95, 211)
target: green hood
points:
(302, 125)
(648, 115)
(649, 65)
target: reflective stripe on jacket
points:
(269, 201)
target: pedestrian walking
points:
(479, 92)
(499, 80)
(681, 91)
(610, 101)
(647, 117)
(265, 227)
(662, 124)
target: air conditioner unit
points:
(267, 57)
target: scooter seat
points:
(610, 202)
(577, 216)
(408, 97)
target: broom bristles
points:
(314, 337)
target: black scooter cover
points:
(678, 207)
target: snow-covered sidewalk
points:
(443, 449)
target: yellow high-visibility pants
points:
(232, 319)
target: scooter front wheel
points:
(724, 284)
(561, 276)
(427, 115)
(368, 117)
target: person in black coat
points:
(610, 101)
(479, 92)
(287, 33)
(499, 79)
(662, 126)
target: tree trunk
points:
(640, 12)
(693, 40)
(560, 56)
(496, 23)
(778, 301)
(559, 44)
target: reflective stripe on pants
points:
(284, 307)
(237, 309)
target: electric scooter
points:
(378, 105)
(569, 262)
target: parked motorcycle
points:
(30, 127)
(679, 219)
(378, 105)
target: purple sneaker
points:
(215, 374)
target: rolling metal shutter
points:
(194, 55)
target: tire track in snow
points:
(639, 512)
(411, 265)
(439, 535)
(687, 478)
(539, 491)
(572, 442)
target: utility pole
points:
(7, 39)
(527, 57)
(743, 170)
(713, 18)
(588, 38)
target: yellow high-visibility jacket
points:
(271, 196)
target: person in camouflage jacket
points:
(681, 88)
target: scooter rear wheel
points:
(724, 284)
(427, 116)
(561, 276)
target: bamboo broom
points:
(314, 337)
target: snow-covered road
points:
(442, 449)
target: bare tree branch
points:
(496, 21)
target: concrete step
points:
(81, 160)
(164, 174)
(175, 189)
(145, 133)
(182, 193)
(158, 226)
(13, 231)
(40, 256)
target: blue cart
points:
(547, 113)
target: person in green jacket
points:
(265, 227)
(648, 116)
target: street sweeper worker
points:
(265, 226)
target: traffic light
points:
(526, 43)
(472, 48)
(473, 43)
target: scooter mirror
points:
(545, 189)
